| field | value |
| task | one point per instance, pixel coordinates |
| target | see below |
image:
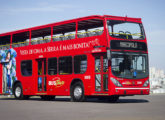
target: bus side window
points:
(65, 65)
(80, 64)
(52, 66)
(64, 32)
(97, 64)
(91, 27)
(4, 42)
(105, 63)
(26, 68)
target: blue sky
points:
(19, 14)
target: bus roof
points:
(68, 21)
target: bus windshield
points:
(125, 29)
(129, 65)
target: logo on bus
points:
(57, 82)
(127, 83)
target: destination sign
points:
(128, 45)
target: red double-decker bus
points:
(96, 56)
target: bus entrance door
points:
(101, 73)
(41, 75)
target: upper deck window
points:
(4, 42)
(125, 29)
(91, 27)
(20, 39)
(40, 36)
(64, 32)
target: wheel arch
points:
(75, 81)
(16, 82)
(73, 84)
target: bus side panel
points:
(1, 79)
(89, 79)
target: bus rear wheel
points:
(18, 92)
(77, 92)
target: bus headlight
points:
(117, 83)
(146, 83)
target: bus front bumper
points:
(132, 91)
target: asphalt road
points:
(150, 107)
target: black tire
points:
(47, 97)
(77, 92)
(113, 98)
(18, 92)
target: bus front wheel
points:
(77, 92)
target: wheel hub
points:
(18, 91)
(78, 92)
